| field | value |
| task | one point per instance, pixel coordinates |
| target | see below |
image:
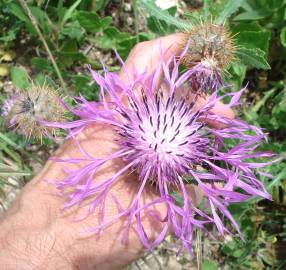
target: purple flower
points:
(169, 146)
(8, 105)
(206, 77)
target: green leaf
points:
(283, 36)
(20, 78)
(41, 64)
(18, 12)
(277, 180)
(101, 4)
(105, 22)
(246, 26)
(230, 8)
(82, 85)
(69, 12)
(164, 15)
(42, 79)
(252, 15)
(209, 265)
(262, 101)
(254, 39)
(91, 22)
(70, 53)
(73, 31)
(12, 172)
(237, 71)
(161, 27)
(9, 36)
(253, 57)
(40, 16)
(7, 140)
(178, 198)
(42, 20)
(114, 39)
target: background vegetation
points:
(53, 41)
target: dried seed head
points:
(210, 51)
(26, 110)
(210, 43)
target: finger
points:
(218, 109)
(146, 56)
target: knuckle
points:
(140, 46)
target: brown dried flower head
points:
(210, 44)
(27, 109)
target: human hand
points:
(36, 235)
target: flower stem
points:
(35, 24)
(136, 23)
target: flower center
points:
(210, 63)
(163, 133)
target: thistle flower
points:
(167, 145)
(26, 110)
(210, 51)
(8, 105)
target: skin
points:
(35, 234)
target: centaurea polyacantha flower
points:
(27, 108)
(210, 51)
(166, 144)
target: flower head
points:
(168, 145)
(162, 134)
(8, 105)
(26, 110)
(210, 51)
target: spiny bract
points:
(26, 109)
(210, 43)
(210, 51)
